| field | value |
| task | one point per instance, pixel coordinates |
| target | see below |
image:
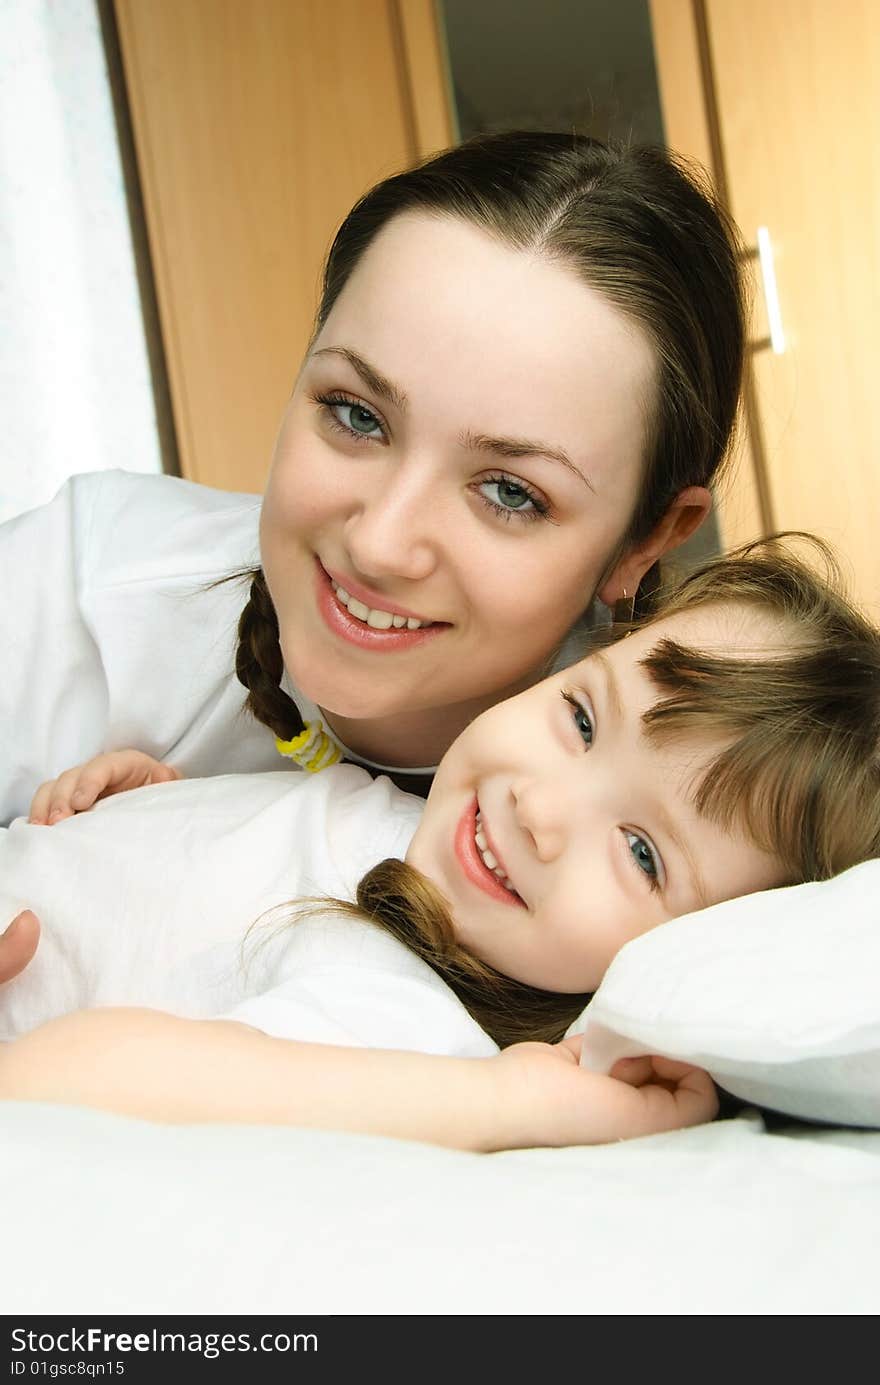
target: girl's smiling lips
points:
(348, 627)
(471, 862)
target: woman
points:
(522, 382)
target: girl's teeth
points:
(488, 859)
(377, 619)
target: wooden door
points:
(256, 127)
(790, 94)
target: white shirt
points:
(149, 898)
(114, 636)
(110, 637)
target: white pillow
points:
(777, 995)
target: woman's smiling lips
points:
(468, 856)
(353, 626)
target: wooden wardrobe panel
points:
(423, 45)
(257, 125)
(798, 91)
(684, 98)
(691, 127)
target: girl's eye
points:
(508, 498)
(351, 417)
(645, 857)
(581, 717)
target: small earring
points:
(624, 609)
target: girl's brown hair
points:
(636, 225)
(799, 774)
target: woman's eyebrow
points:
(523, 447)
(380, 385)
(372, 378)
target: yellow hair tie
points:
(312, 749)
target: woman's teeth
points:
(488, 859)
(379, 620)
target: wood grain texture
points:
(256, 127)
(798, 91)
(425, 63)
(690, 120)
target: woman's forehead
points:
(460, 284)
(495, 340)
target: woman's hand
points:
(18, 943)
(79, 789)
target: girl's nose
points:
(539, 806)
(395, 529)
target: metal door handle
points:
(771, 293)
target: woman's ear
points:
(684, 516)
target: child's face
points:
(592, 824)
(464, 448)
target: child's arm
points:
(153, 1065)
(78, 789)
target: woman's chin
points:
(355, 702)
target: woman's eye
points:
(581, 717)
(353, 418)
(508, 498)
(359, 419)
(644, 856)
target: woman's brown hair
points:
(633, 223)
(799, 773)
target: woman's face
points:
(557, 831)
(460, 457)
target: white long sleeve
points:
(111, 636)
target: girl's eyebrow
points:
(614, 703)
(678, 841)
(613, 699)
(372, 378)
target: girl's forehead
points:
(720, 628)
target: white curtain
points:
(75, 389)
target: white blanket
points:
(104, 1215)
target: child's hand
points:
(18, 943)
(566, 1104)
(691, 1089)
(78, 789)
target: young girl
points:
(728, 745)
(522, 382)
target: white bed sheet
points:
(112, 1215)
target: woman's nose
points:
(395, 530)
